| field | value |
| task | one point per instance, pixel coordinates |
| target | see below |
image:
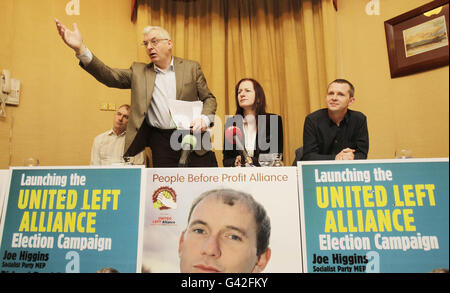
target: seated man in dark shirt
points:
(336, 132)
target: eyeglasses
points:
(153, 42)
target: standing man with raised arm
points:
(336, 132)
(152, 85)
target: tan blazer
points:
(140, 78)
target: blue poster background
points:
(120, 225)
(428, 219)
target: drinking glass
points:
(31, 162)
(278, 157)
(265, 160)
(403, 153)
(128, 160)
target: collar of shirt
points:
(111, 132)
(170, 68)
(249, 136)
(345, 120)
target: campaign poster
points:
(215, 240)
(72, 220)
(375, 216)
(4, 184)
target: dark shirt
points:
(323, 139)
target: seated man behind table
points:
(235, 242)
(336, 132)
(108, 147)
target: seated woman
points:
(261, 132)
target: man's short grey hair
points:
(230, 197)
(126, 106)
(162, 32)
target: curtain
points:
(289, 46)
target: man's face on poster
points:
(220, 238)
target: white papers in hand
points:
(183, 113)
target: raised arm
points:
(111, 77)
(72, 39)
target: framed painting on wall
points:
(418, 39)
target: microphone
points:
(234, 135)
(187, 145)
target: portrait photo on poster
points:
(228, 220)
